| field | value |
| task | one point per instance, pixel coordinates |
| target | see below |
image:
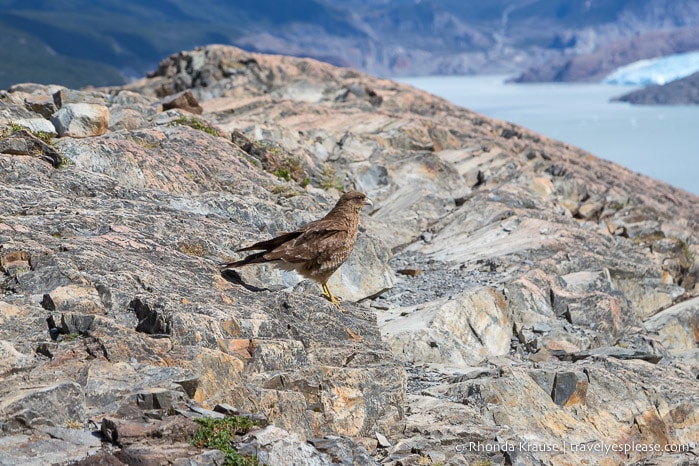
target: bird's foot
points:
(329, 296)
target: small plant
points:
(194, 249)
(329, 180)
(290, 169)
(143, 142)
(483, 462)
(283, 173)
(196, 123)
(427, 461)
(687, 252)
(306, 181)
(74, 424)
(14, 127)
(220, 433)
(285, 190)
(45, 137)
(65, 161)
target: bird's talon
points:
(330, 297)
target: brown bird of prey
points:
(317, 249)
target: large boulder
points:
(80, 120)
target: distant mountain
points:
(596, 65)
(109, 41)
(81, 42)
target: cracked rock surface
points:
(506, 289)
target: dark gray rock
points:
(570, 388)
(42, 104)
(23, 142)
(344, 451)
(55, 405)
(684, 91)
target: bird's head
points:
(355, 200)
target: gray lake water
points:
(658, 141)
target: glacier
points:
(658, 70)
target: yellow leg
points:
(329, 295)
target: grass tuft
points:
(329, 180)
(283, 173)
(219, 434)
(196, 123)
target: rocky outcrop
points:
(511, 299)
(683, 91)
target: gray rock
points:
(55, 405)
(273, 445)
(80, 120)
(126, 119)
(653, 356)
(36, 125)
(49, 446)
(382, 440)
(366, 274)
(64, 97)
(676, 326)
(458, 331)
(23, 142)
(11, 359)
(42, 104)
(341, 450)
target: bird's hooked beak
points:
(368, 202)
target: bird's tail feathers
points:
(251, 259)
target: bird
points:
(315, 250)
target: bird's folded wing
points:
(273, 243)
(316, 243)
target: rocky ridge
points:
(595, 65)
(683, 91)
(507, 290)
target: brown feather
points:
(271, 243)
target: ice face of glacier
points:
(658, 70)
